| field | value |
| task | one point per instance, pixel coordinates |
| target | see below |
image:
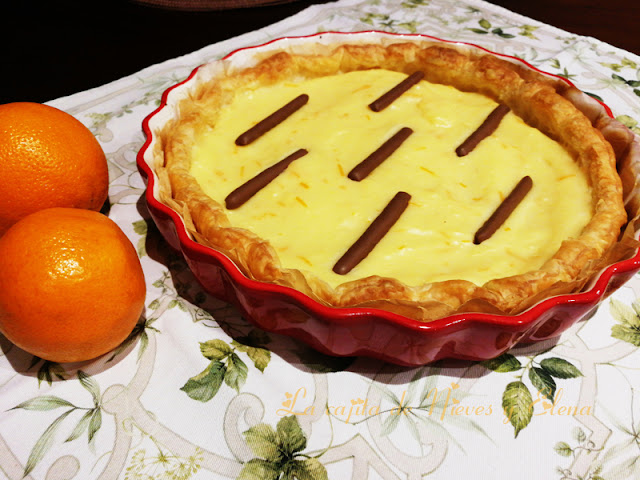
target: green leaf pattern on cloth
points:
(197, 392)
(279, 453)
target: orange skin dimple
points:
(71, 285)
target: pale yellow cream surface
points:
(312, 213)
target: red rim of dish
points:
(338, 314)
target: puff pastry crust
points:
(539, 100)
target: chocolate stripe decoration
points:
(392, 95)
(369, 164)
(247, 190)
(505, 209)
(373, 234)
(272, 120)
(483, 131)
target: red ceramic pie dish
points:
(362, 331)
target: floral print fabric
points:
(196, 392)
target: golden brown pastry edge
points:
(540, 100)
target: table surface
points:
(199, 393)
(67, 47)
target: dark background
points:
(55, 48)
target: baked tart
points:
(417, 177)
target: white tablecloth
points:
(200, 394)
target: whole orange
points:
(71, 284)
(48, 158)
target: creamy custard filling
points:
(312, 213)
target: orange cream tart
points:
(419, 178)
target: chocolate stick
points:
(373, 234)
(388, 98)
(247, 190)
(505, 209)
(369, 164)
(484, 130)
(272, 120)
